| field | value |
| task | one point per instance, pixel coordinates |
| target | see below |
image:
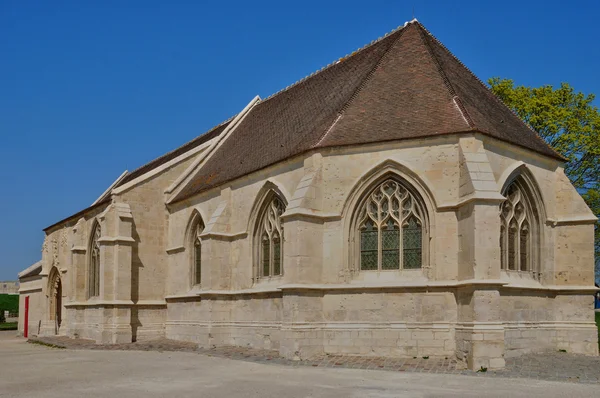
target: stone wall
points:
(460, 303)
(32, 288)
(9, 287)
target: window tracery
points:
(270, 237)
(516, 221)
(197, 252)
(94, 263)
(390, 229)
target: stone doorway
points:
(55, 300)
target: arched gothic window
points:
(517, 229)
(269, 238)
(197, 229)
(391, 228)
(94, 263)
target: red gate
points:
(26, 320)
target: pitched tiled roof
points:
(405, 85)
(196, 142)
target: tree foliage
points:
(570, 123)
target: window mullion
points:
(379, 240)
(401, 246)
(271, 254)
(504, 246)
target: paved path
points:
(552, 366)
(38, 371)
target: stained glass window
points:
(266, 255)
(198, 253)
(390, 246)
(412, 244)
(524, 246)
(94, 269)
(512, 246)
(515, 229)
(271, 233)
(276, 255)
(384, 245)
(368, 246)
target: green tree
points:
(570, 123)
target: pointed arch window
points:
(390, 228)
(94, 263)
(518, 229)
(196, 246)
(269, 238)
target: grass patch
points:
(598, 324)
(38, 342)
(9, 326)
(9, 302)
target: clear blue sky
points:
(91, 88)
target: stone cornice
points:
(191, 296)
(116, 240)
(310, 215)
(175, 249)
(79, 249)
(30, 289)
(486, 197)
(224, 236)
(257, 290)
(554, 288)
(394, 285)
(473, 283)
(117, 303)
(571, 221)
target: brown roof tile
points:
(406, 85)
(215, 131)
(196, 142)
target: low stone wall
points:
(248, 321)
(93, 322)
(538, 320)
(304, 324)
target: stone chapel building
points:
(388, 204)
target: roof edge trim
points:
(340, 59)
(177, 186)
(110, 188)
(78, 214)
(447, 82)
(151, 173)
(323, 148)
(495, 97)
(30, 271)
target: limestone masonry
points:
(9, 287)
(387, 205)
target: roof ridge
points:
(338, 60)
(364, 81)
(445, 78)
(494, 96)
